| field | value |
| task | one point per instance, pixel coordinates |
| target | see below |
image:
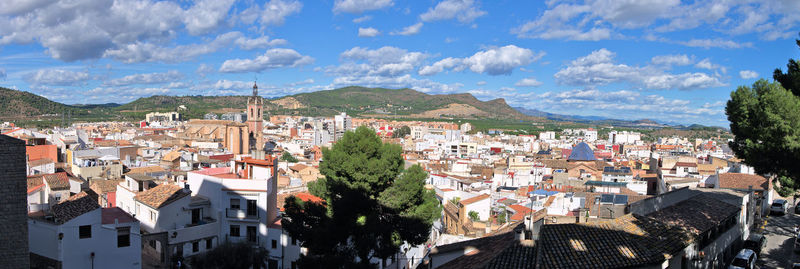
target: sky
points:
(667, 60)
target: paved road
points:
(779, 252)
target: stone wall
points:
(13, 204)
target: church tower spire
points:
(255, 89)
(255, 118)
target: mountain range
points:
(358, 101)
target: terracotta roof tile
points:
(57, 181)
(474, 199)
(39, 162)
(161, 195)
(742, 181)
(105, 186)
(34, 183)
(147, 169)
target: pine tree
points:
(373, 205)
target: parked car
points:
(756, 242)
(746, 259)
(779, 206)
(797, 208)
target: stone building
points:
(13, 204)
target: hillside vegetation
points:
(402, 102)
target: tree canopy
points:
(401, 132)
(765, 120)
(373, 205)
(231, 255)
(287, 157)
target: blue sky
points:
(667, 60)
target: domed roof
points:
(581, 152)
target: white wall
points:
(482, 207)
(74, 252)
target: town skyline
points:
(664, 60)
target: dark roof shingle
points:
(73, 207)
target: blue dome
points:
(581, 152)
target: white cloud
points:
(362, 19)
(480, 83)
(493, 61)
(387, 66)
(602, 19)
(360, 6)
(206, 16)
(273, 58)
(599, 68)
(149, 52)
(178, 85)
(528, 82)
(748, 74)
(204, 70)
(707, 64)
(17, 7)
(465, 11)
(368, 32)
(668, 60)
(716, 43)
(302, 82)
(149, 78)
(409, 30)
(622, 104)
(57, 77)
(258, 43)
(275, 12)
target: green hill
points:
(402, 102)
(21, 104)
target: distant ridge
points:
(358, 101)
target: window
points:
(123, 237)
(85, 231)
(235, 203)
(208, 244)
(235, 230)
(195, 246)
(152, 215)
(274, 243)
(252, 208)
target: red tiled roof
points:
(115, 213)
(685, 164)
(742, 181)
(307, 197)
(213, 171)
(161, 195)
(34, 183)
(474, 199)
(248, 160)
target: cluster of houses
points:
(125, 195)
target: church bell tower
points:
(255, 120)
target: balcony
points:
(205, 229)
(253, 240)
(235, 213)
